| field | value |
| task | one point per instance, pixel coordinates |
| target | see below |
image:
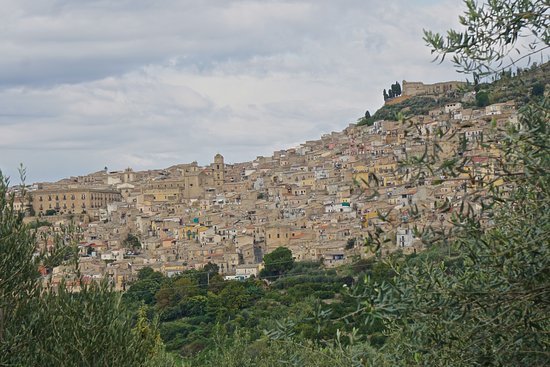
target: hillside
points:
(419, 236)
(174, 240)
(509, 85)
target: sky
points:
(88, 84)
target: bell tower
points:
(218, 170)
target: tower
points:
(218, 170)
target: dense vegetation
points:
(520, 85)
(414, 106)
(307, 299)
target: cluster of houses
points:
(319, 199)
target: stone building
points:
(421, 89)
(73, 200)
(218, 170)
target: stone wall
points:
(421, 89)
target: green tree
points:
(145, 288)
(208, 271)
(487, 302)
(132, 242)
(482, 98)
(242, 349)
(18, 266)
(216, 283)
(148, 273)
(234, 296)
(538, 89)
(144, 331)
(397, 88)
(183, 288)
(490, 33)
(175, 292)
(277, 262)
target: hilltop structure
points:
(420, 89)
(413, 89)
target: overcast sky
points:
(148, 84)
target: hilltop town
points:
(316, 199)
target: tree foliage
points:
(482, 98)
(132, 242)
(490, 35)
(277, 262)
(393, 91)
(538, 89)
(489, 304)
(488, 301)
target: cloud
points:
(88, 84)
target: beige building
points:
(190, 184)
(421, 89)
(72, 201)
(218, 170)
(276, 236)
